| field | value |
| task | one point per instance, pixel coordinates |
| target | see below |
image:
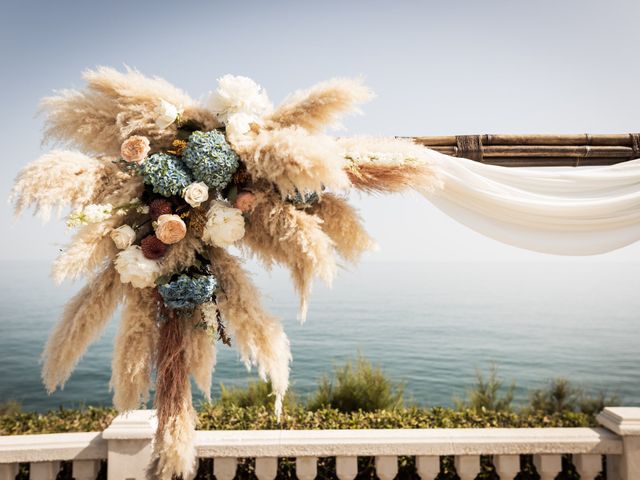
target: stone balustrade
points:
(125, 446)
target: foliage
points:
(89, 419)
(255, 394)
(357, 386)
(486, 393)
(560, 396)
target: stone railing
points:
(126, 447)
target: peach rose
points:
(245, 201)
(135, 148)
(170, 229)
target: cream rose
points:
(123, 236)
(166, 113)
(196, 193)
(135, 148)
(224, 225)
(136, 269)
(170, 228)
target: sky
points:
(455, 67)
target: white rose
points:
(166, 113)
(196, 193)
(136, 269)
(238, 94)
(224, 225)
(123, 236)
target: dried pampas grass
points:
(258, 334)
(277, 232)
(114, 106)
(57, 180)
(134, 350)
(82, 321)
(320, 105)
(174, 452)
(342, 224)
(293, 159)
(389, 165)
(181, 255)
(92, 246)
(201, 352)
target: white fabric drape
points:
(579, 211)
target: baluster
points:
(588, 465)
(85, 469)
(43, 470)
(507, 466)
(613, 467)
(224, 468)
(8, 471)
(346, 467)
(428, 467)
(467, 466)
(306, 468)
(266, 468)
(548, 466)
(386, 467)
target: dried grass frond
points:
(343, 225)
(201, 354)
(277, 232)
(174, 453)
(114, 106)
(321, 105)
(293, 159)
(57, 180)
(83, 319)
(134, 349)
(92, 247)
(258, 334)
(181, 255)
(389, 165)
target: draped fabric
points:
(578, 211)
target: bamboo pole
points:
(538, 150)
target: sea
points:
(428, 326)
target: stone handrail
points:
(126, 447)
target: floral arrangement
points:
(160, 187)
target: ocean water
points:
(428, 325)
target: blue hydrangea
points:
(186, 292)
(166, 173)
(210, 158)
(304, 198)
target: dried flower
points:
(123, 236)
(210, 158)
(93, 213)
(152, 247)
(158, 207)
(188, 291)
(166, 113)
(196, 193)
(224, 226)
(245, 201)
(170, 229)
(166, 173)
(136, 269)
(135, 148)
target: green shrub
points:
(560, 396)
(255, 394)
(486, 393)
(357, 386)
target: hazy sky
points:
(450, 67)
